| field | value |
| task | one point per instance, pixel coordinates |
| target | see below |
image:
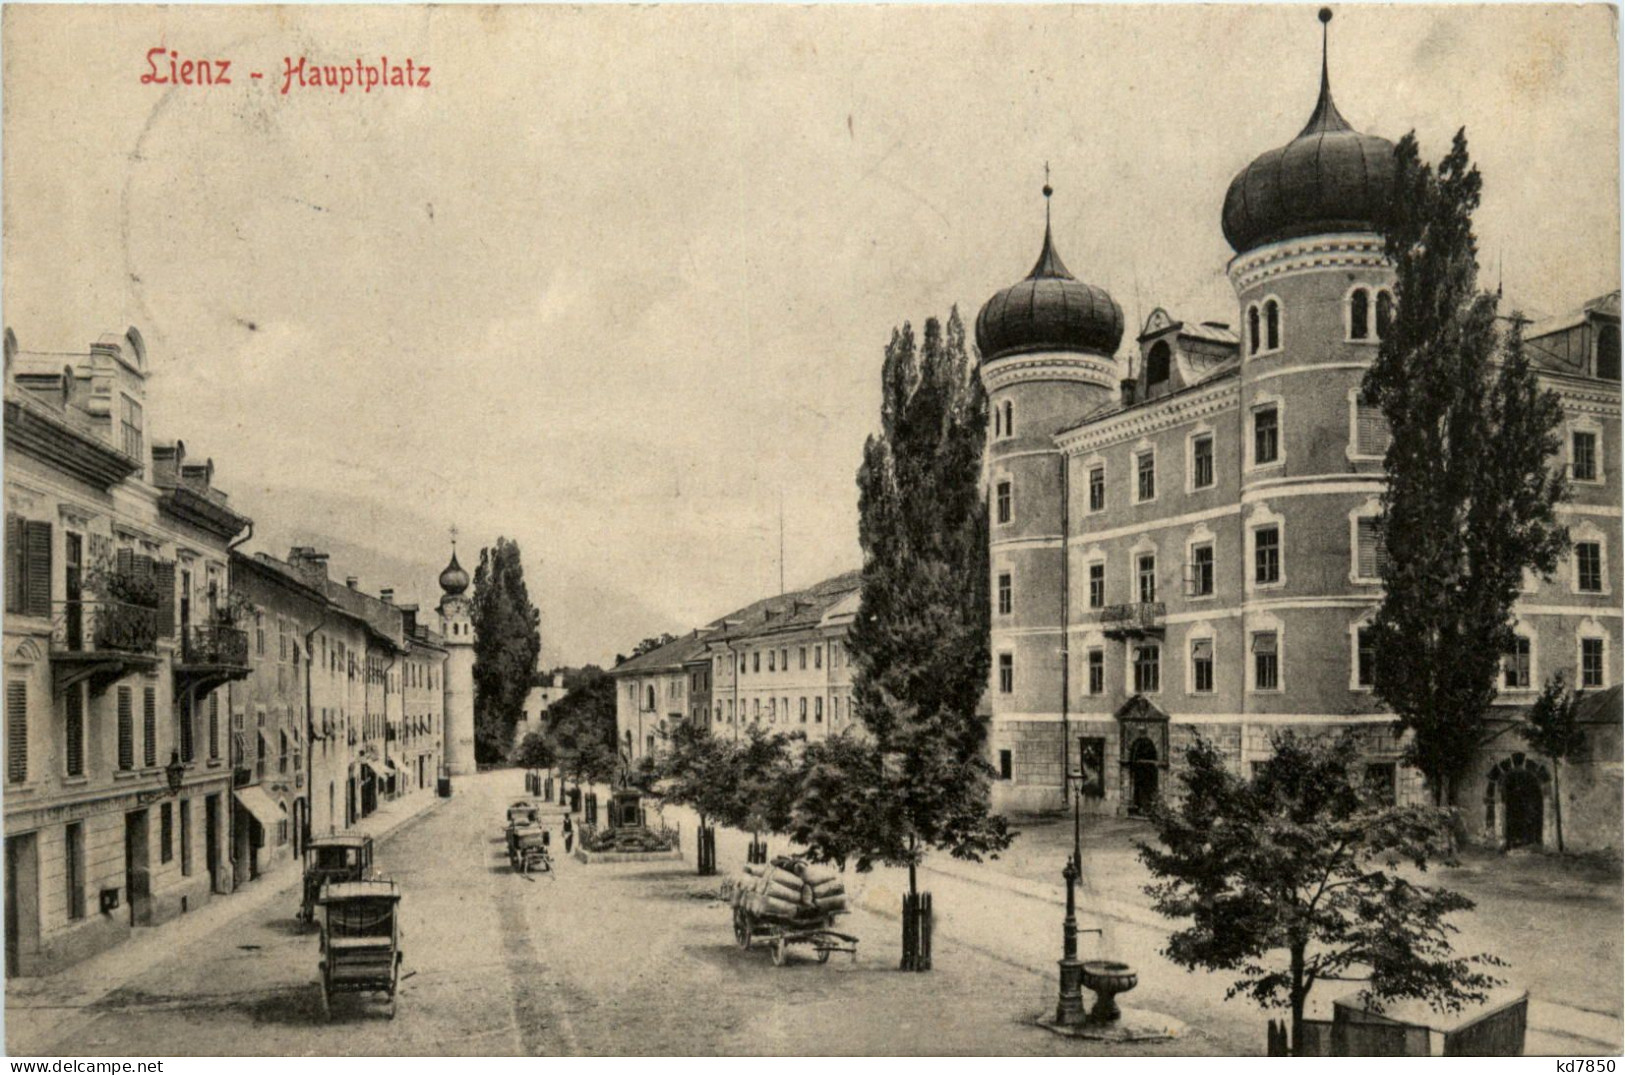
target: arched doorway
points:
(1142, 775)
(1524, 807)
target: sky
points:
(617, 283)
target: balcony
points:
(101, 640)
(1134, 620)
(211, 655)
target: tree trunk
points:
(1299, 994)
(913, 880)
(1557, 800)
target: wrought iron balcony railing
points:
(216, 643)
(1144, 617)
(98, 626)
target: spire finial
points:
(1325, 119)
(454, 537)
(1325, 36)
(1048, 190)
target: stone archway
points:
(1144, 771)
(1516, 813)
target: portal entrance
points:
(1142, 774)
(1525, 808)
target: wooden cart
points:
(528, 849)
(780, 933)
(331, 859)
(361, 940)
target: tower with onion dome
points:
(457, 627)
(1047, 346)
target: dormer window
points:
(1156, 363)
(1608, 352)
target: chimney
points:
(309, 562)
(1128, 384)
(387, 596)
(351, 581)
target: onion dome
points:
(1330, 178)
(454, 580)
(1049, 310)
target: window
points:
(1097, 585)
(772, 660)
(1097, 671)
(28, 566)
(1003, 501)
(126, 729)
(1266, 436)
(818, 656)
(1371, 435)
(1608, 352)
(1591, 663)
(784, 659)
(803, 710)
(73, 731)
(131, 428)
(803, 658)
(1588, 566)
(1146, 469)
(1266, 662)
(186, 838)
(1201, 577)
(259, 634)
(756, 709)
(1005, 599)
(16, 732)
(1359, 314)
(185, 715)
(1202, 665)
(1267, 555)
(1147, 669)
(1009, 419)
(1202, 462)
(1097, 488)
(1005, 767)
(1365, 657)
(1007, 673)
(1385, 314)
(818, 710)
(1156, 363)
(1379, 781)
(1272, 325)
(149, 727)
(73, 868)
(166, 832)
(1252, 330)
(1517, 668)
(1585, 457)
(756, 661)
(1148, 578)
(1371, 552)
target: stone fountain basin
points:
(1109, 978)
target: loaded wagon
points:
(787, 902)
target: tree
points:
(507, 641)
(919, 643)
(1552, 730)
(534, 752)
(1302, 859)
(698, 770)
(840, 810)
(581, 727)
(653, 642)
(1471, 495)
(761, 794)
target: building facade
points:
(1183, 542)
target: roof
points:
(1116, 406)
(340, 840)
(1606, 306)
(351, 890)
(382, 619)
(668, 658)
(1599, 707)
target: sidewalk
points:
(43, 1010)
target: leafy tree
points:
(507, 641)
(581, 727)
(1552, 730)
(653, 642)
(920, 641)
(1471, 493)
(1302, 859)
(534, 752)
(841, 812)
(698, 770)
(761, 794)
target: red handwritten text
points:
(179, 72)
(360, 76)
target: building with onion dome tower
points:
(457, 629)
(1217, 510)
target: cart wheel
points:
(742, 927)
(781, 951)
(823, 955)
(327, 998)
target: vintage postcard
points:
(1055, 530)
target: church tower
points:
(457, 627)
(1047, 344)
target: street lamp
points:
(174, 772)
(1069, 1009)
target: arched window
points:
(1252, 330)
(1359, 314)
(651, 704)
(998, 417)
(1608, 352)
(1385, 313)
(1009, 419)
(1156, 363)
(1272, 324)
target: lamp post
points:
(1069, 1009)
(174, 772)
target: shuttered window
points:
(214, 727)
(149, 727)
(186, 731)
(1371, 429)
(126, 729)
(73, 731)
(166, 833)
(164, 575)
(28, 566)
(1372, 553)
(16, 732)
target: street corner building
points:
(181, 716)
(780, 663)
(1183, 540)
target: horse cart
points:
(790, 902)
(528, 849)
(361, 940)
(330, 859)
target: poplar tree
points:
(1552, 730)
(1471, 490)
(507, 642)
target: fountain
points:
(1106, 979)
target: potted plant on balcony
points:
(124, 613)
